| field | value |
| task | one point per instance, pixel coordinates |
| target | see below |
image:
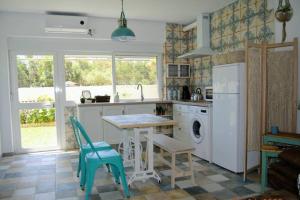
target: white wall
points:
(293, 30)
(23, 32)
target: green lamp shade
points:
(123, 34)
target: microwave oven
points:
(208, 93)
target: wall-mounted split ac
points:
(67, 24)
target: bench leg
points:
(173, 169)
(191, 167)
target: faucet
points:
(142, 95)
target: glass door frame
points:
(16, 105)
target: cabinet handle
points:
(123, 112)
(100, 113)
(154, 111)
(179, 129)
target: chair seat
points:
(104, 155)
(97, 145)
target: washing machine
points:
(200, 131)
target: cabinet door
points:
(186, 128)
(177, 116)
(140, 109)
(112, 134)
(91, 119)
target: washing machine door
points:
(197, 130)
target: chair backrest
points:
(86, 137)
(75, 130)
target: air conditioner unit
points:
(67, 24)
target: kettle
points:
(198, 95)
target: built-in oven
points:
(208, 93)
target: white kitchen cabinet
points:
(181, 116)
(140, 109)
(91, 119)
(112, 134)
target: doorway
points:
(34, 95)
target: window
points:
(134, 70)
(95, 73)
(88, 72)
(35, 78)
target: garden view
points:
(94, 73)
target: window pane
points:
(88, 72)
(35, 78)
(38, 128)
(130, 71)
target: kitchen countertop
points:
(192, 103)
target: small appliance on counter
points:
(104, 98)
(185, 93)
(208, 93)
(197, 95)
(86, 97)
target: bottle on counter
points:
(170, 94)
(175, 94)
(116, 98)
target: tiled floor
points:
(52, 175)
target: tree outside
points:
(36, 81)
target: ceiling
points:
(175, 11)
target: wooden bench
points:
(174, 147)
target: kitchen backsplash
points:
(229, 28)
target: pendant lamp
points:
(122, 33)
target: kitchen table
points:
(140, 124)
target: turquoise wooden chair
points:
(97, 159)
(85, 149)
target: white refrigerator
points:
(229, 93)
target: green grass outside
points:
(38, 137)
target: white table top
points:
(138, 121)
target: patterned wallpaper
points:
(229, 28)
(177, 42)
(243, 19)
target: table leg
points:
(127, 158)
(137, 152)
(264, 170)
(140, 173)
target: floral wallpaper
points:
(230, 27)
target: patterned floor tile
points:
(218, 178)
(205, 196)
(45, 196)
(177, 194)
(254, 187)
(52, 175)
(194, 190)
(224, 194)
(185, 184)
(212, 187)
(242, 191)
(115, 195)
(26, 191)
(156, 196)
